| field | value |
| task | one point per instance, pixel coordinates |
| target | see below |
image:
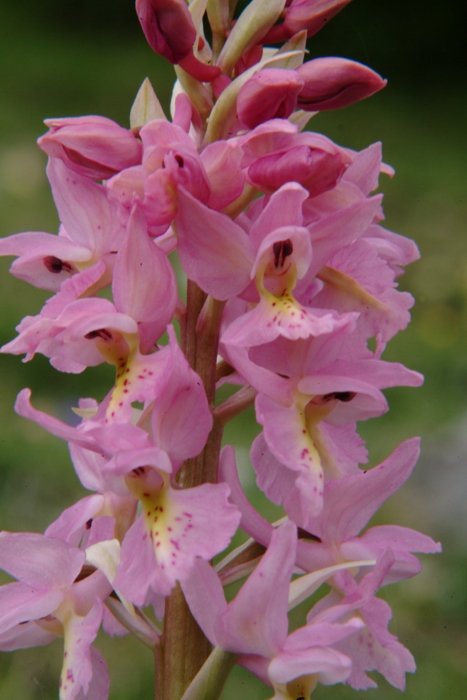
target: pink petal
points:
(77, 669)
(331, 665)
(84, 209)
(204, 594)
(214, 251)
(20, 603)
(144, 285)
(38, 561)
(184, 524)
(329, 234)
(284, 208)
(255, 622)
(70, 524)
(181, 407)
(252, 522)
(24, 635)
(350, 502)
(221, 161)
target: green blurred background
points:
(68, 59)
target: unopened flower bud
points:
(271, 93)
(93, 146)
(315, 169)
(170, 32)
(310, 15)
(332, 83)
(168, 27)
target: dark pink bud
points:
(311, 15)
(95, 147)
(271, 93)
(168, 27)
(332, 83)
(170, 32)
(317, 170)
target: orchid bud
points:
(332, 83)
(168, 27)
(96, 147)
(310, 15)
(316, 169)
(170, 32)
(271, 93)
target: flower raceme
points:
(291, 298)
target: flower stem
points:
(209, 682)
(184, 648)
(183, 651)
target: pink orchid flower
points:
(50, 600)
(90, 232)
(374, 647)
(171, 160)
(333, 536)
(302, 383)
(255, 623)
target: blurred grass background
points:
(68, 59)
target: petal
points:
(181, 407)
(84, 209)
(214, 251)
(252, 522)
(331, 665)
(287, 436)
(77, 669)
(204, 594)
(284, 208)
(350, 502)
(332, 232)
(70, 525)
(38, 561)
(180, 525)
(255, 622)
(25, 635)
(144, 285)
(20, 603)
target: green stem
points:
(235, 404)
(210, 680)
